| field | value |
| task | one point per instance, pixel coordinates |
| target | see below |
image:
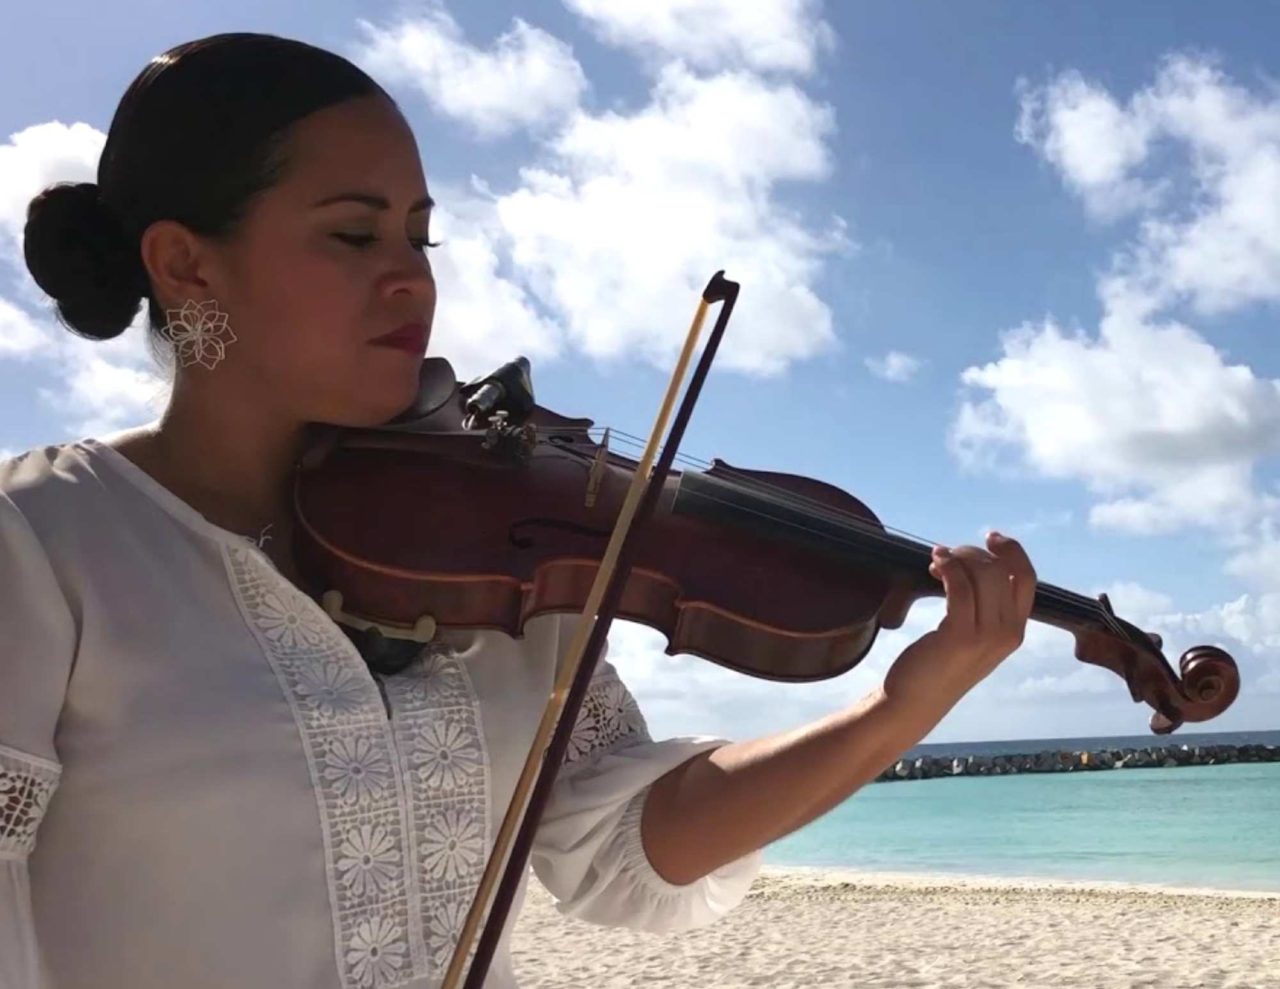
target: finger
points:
(958, 587)
(988, 579)
(1011, 553)
(1003, 589)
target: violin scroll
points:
(1206, 683)
(1210, 677)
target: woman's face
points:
(309, 284)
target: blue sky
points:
(1003, 265)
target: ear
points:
(178, 263)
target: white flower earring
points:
(199, 333)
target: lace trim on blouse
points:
(356, 771)
(609, 719)
(26, 784)
(403, 801)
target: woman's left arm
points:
(730, 801)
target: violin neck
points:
(853, 539)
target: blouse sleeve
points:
(37, 643)
(588, 851)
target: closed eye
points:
(364, 240)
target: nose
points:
(411, 276)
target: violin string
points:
(873, 538)
(830, 513)
(888, 540)
(870, 532)
(1066, 601)
(917, 547)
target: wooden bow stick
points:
(570, 688)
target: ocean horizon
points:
(1190, 826)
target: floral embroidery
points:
(441, 741)
(404, 801)
(26, 784)
(454, 844)
(330, 689)
(351, 752)
(377, 953)
(585, 733)
(444, 929)
(370, 860)
(284, 623)
(445, 755)
(609, 718)
(357, 771)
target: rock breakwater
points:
(1151, 757)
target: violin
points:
(504, 510)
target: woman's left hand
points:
(989, 595)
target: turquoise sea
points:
(1203, 826)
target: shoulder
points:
(67, 498)
(47, 485)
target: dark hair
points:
(198, 134)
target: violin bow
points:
(570, 687)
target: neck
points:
(232, 463)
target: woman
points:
(201, 783)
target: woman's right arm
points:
(37, 645)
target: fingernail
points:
(996, 535)
(942, 552)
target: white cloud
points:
(1137, 604)
(20, 337)
(1148, 415)
(36, 157)
(1086, 681)
(102, 395)
(1079, 128)
(101, 385)
(1217, 244)
(1256, 560)
(606, 240)
(620, 228)
(765, 35)
(483, 318)
(602, 246)
(688, 695)
(1251, 620)
(894, 366)
(528, 79)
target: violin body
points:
(425, 524)
(475, 542)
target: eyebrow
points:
(369, 199)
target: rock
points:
(1166, 756)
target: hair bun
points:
(79, 254)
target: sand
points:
(827, 928)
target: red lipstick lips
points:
(411, 337)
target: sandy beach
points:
(831, 928)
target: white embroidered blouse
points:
(202, 785)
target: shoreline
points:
(822, 876)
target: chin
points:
(362, 396)
(383, 404)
